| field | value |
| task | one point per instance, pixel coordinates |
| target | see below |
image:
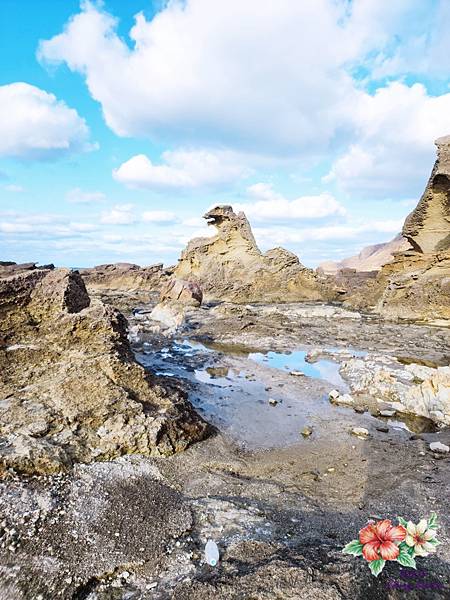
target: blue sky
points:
(121, 123)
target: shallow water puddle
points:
(295, 361)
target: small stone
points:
(151, 586)
(383, 429)
(297, 373)
(306, 431)
(333, 395)
(387, 413)
(422, 453)
(439, 448)
(359, 409)
(273, 402)
(360, 432)
(330, 469)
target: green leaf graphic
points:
(376, 566)
(432, 521)
(406, 560)
(434, 542)
(354, 547)
(402, 521)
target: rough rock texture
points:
(371, 258)
(427, 228)
(185, 292)
(230, 266)
(415, 285)
(124, 276)
(70, 389)
(416, 389)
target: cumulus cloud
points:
(261, 76)
(42, 225)
(78, 196)
(14, 188)
(181, 169)
(394, 129)
(35, 125)
(121, 214)
(273, 206)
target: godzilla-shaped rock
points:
(229, 266)
(70, 389)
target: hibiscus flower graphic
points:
(380, 541)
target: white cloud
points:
(78, 196)
(394, 152)
(182, 169)
(15, 189)
(35, 125)
(270, 77)
(272, 206)
(42, 225)
(121, 214)
(159, 216)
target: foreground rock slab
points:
(71, 390)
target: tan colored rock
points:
(415, 285)
(230, 266)
(70, 389)
(185, 292)
(427, 228)
(124, 277)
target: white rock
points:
(439, 447)
(297, 373)
(273, 402)
(333, 395)
(360, 432)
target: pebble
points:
(387, 413)
(361, 432)
(306, 431)
(333, 395)
(439, 447)
(273, 402)
(297, 373)
(383, 429)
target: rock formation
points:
(427, 228)
(176, 298)
(70, 389)
(415, 285)
(371, 258)
(230, 266)
(125, 278)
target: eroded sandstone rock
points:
(124, 276)
(415, 285)
(230, 266)
(70, 389)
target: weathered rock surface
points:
(412, 388)
(427, 228)
(70, 388)
(415, 285)
(185, 292)
(124, 276)
(230, 266)
(371, 258)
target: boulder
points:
(70, 389)
(230, 266)
(188, 293)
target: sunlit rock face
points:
(427, 228)
(230, 266)
(415, 285)
(70, 389)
